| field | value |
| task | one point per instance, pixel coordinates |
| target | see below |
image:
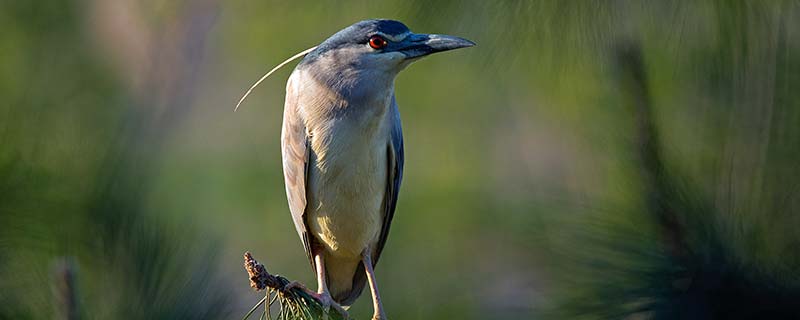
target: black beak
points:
(420, 45)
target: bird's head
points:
(378, 47)
(369, 52)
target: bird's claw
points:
(296, 285)
(327, 302)
(324, 299)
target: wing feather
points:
(295, 153)
(396, 158)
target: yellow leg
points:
(373, 286)
(322, 285)
(322, 295)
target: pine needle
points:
(303, 53)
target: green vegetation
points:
(587, 160)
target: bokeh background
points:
(587, 160)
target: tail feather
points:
(348, 297)
(346, 279)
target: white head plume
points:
(302, 53)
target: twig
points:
(295, 302)
(659, 188)
(66, 300)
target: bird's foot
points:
(324, 299)
(378, 317)
(297, 285)
(327, 303)
(379, 314)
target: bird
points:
(342, 151)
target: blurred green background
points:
(587, 160)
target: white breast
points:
(348, 175)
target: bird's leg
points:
(322, 295)
(322, 286)
(373, 286)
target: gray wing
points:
(396, 160)
(295, 154)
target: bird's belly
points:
(346, 196)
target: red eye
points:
(377, 42)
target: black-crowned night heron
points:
(342, 149)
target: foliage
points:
(589, 160)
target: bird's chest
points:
(347, 183)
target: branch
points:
(64, 290)
(659, 187)
(296, 301)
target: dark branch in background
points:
(65, 296)
(709, 282)
(657, 187)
